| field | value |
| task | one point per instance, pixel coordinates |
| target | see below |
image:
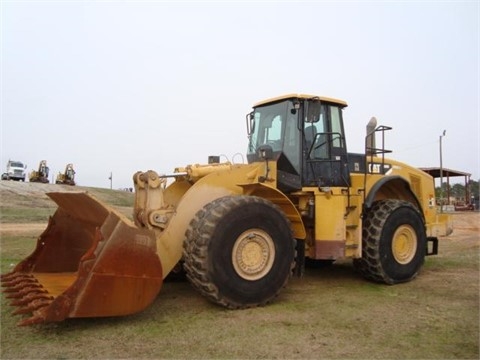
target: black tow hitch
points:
(433, 248)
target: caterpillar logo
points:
(378, 168)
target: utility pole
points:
(111, 179)
(441, 172)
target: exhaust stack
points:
(370, 138)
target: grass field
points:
(330, 313)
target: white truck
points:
(15, 171)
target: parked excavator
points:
(239, 231)
(41, 175)
(68, 176)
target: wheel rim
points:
(253, 254)
(404, 244)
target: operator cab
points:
(305, 135)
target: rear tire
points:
(393, 242)
(239, 251)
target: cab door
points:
(325, 161)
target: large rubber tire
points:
(393, 242)
(239, 251)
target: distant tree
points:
(442, 192)
(474, 188)
(458, 190)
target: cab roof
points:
(300, 96)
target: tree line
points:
(458, 191)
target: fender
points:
(282, 201)
(396, 186)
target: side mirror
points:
(250, 123)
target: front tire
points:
(393, 242)
(239, 251)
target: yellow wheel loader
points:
(41, 175)
(68, 176)
(239, 231)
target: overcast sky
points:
(122, 86)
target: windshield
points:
(16, 164)
(276, 125)
(268, 127)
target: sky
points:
(115, 87)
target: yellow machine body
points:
(238, 230)
(67, 177)
(40, 175)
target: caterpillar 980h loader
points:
(238, 230)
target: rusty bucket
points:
(90, 261)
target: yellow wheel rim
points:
(253, 254)
(404, 244)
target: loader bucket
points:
(89, 262)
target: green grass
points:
(327, 321)
(25, 215)
(113, 197)
(14, 249)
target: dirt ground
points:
(326, 314)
